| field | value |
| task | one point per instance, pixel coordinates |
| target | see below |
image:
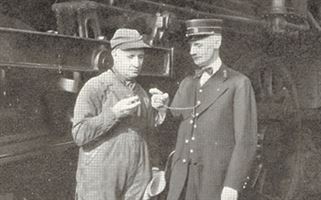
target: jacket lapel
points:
(212, 90)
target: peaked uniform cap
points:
(203, 27)
(127, 39)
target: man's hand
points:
(229, 194)
(126, 106)
(158, 99)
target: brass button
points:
(198, 102)
(200, 90)
(186, 141)
(192, 151)
(191, 122)
(194, 126)
(218, 89)
(184, 160)
(193, 138)
(197, 114)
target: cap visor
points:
(133, 45)
(195, 37)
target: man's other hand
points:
(126, 106)
(229, 194)
(158, 99)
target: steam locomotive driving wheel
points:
(280, 156)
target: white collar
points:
(215, 67)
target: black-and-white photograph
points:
(160, 100)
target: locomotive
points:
(50, 48)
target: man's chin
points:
(134, 74)
(199, 65)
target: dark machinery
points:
(276, 43)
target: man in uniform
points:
(112, 113)
(217, 135)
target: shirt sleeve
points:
(89, 122)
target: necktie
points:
(131, 85)
(199, 72)
(128, 83)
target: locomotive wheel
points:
(279, 115)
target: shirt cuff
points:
(160, 117)
(229, 190)
(229, 193)
(109, 118)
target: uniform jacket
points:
(218, 137)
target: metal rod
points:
(206, 14)
(13, 30)
(242, 19)
(278, 4)
(314, 21)
(300, 27)
(210, 6)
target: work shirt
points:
(113, 156)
